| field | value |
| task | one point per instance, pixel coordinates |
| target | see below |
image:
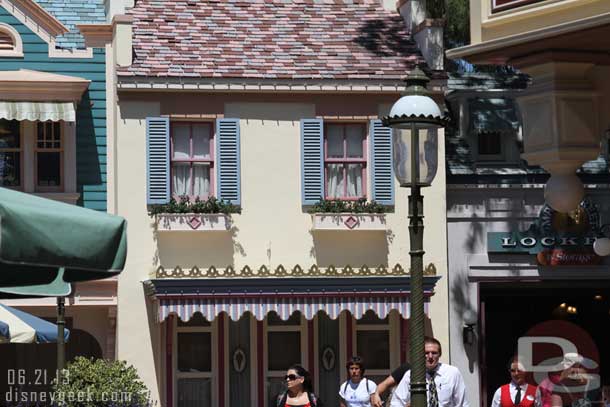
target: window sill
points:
(349, 221)
(192, 222)
(67, 197)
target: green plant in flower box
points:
(185, 205)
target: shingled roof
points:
(71, 13)
(270, 39)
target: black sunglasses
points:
(291, 377)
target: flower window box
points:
(349, 221)
(189, 222)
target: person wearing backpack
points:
(357, 390)
(299, 392)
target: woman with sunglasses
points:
(299, 392)
(357, 390)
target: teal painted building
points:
(43, 53)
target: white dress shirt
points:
(449, 387)
(512, 388)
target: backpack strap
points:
(313, 399)
(345, 386)
(281, 399)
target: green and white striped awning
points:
(42, 111)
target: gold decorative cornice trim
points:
(296, 271)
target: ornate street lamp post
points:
(415, 119)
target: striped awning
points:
(42, 111)
(285, 306)
(284, 296)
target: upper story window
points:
(489, 145)
(337, 158)
(10, 153)
(502, 5)
(197, 159)
(345, 160)
(494, 126)
(192, 160)
(33, 156)
(10, 42)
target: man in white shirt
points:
(517, 393)
(444, 382)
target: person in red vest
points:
(517, 393)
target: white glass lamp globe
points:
(601, 246)
(564, 192)
(417, 106)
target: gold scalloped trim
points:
(296, 271)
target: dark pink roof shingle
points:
(270, 39)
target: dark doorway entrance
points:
(512, 309)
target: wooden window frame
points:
(501, 156)
(391, 328)
(301, 328)
(22, 140)
(498, 6)
(177, 375)
(60, 150)
(210, 161)
(346, 160)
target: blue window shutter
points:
(228, 161)
(312, 175)
(157, 160)
(382, 170)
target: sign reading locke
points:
(555, 238)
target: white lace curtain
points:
(343, 179)
(190, 144)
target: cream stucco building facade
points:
(318, 289)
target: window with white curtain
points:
(345, 160)
(192, 159)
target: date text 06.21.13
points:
(34, 377)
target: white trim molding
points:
(36, 86)
(44, 25)
(254, 85)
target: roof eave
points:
(47, 21)
(484, 52)
(34, 86)
(256, 85)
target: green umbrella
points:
(39, 236)
(45, 245)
